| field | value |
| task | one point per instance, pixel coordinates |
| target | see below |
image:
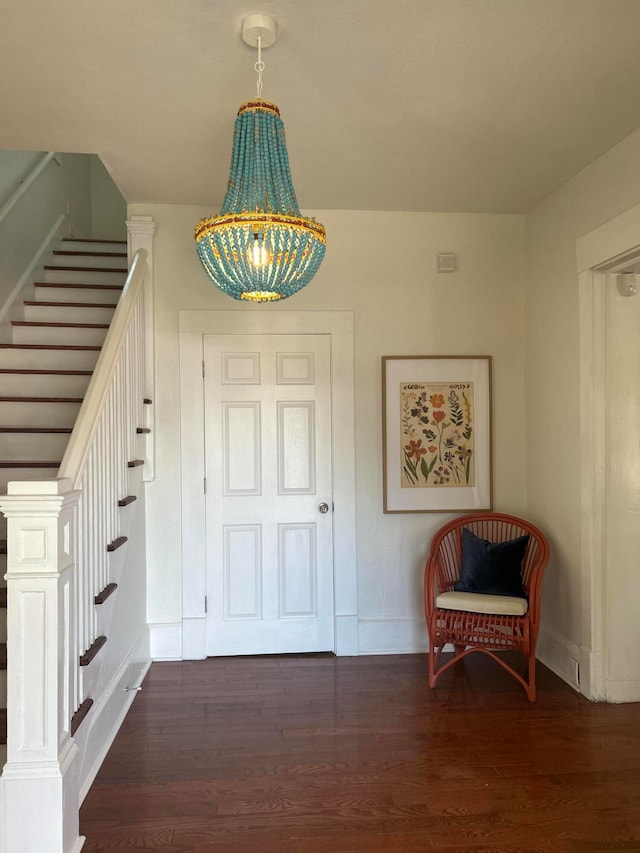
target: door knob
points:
(323, 508)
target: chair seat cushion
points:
(476, 602)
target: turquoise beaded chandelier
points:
(260, 248)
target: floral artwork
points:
(437, 434)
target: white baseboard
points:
(108, 714)
(165, 640)
(563, 657)
(194, 647)
(185, 640)
(572, 664)
(194, 638)
(391, 636)
(346, 639)
(623, 691)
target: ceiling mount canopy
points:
(260, 248)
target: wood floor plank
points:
(311, 754)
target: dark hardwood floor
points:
(315, 754)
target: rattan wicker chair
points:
(469, 630)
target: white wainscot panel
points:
(240, 368)
(297, 558)
(242, 571)
(32, 645)
(296, 448)
(295, 368)
(32, 545)
(241, 448)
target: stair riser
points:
(16, 359)
(92, 246)
(66, 276)
(76, 294)
(41, 385)
(58, 335)
(39, 414)
(66, 314)
(87, 261)
(27, 446)
(8, 475)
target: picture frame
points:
(436, 433)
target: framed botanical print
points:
(436, 430)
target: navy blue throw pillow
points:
(493, 568)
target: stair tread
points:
(72, 284)
(92, 651)
(3, 655)
(79, 716)
(101, 597)
(60, 325)
(92, 347)
(44, 304)
(30, 372)
(93, 240)
(26, 429)
(3, 596)
(3, 546)
(13, 463)
(76, 253)
(117, 543)
(41, 399)
(128, 500)
(3, 725)
(56, 268)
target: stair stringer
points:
(120, 666)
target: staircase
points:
(44, 372)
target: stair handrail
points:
(74, 459)
(15, 197)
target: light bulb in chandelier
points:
(260, 248)
(259, 255)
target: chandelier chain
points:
(259, 67)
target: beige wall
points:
(607, 187)
(15, 166)
(380, 266)
(57, 202)
(108, 207)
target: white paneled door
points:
(268, 494)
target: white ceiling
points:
(439, 105)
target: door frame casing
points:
(605, 246)
(193, 325)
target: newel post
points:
(40, 777)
